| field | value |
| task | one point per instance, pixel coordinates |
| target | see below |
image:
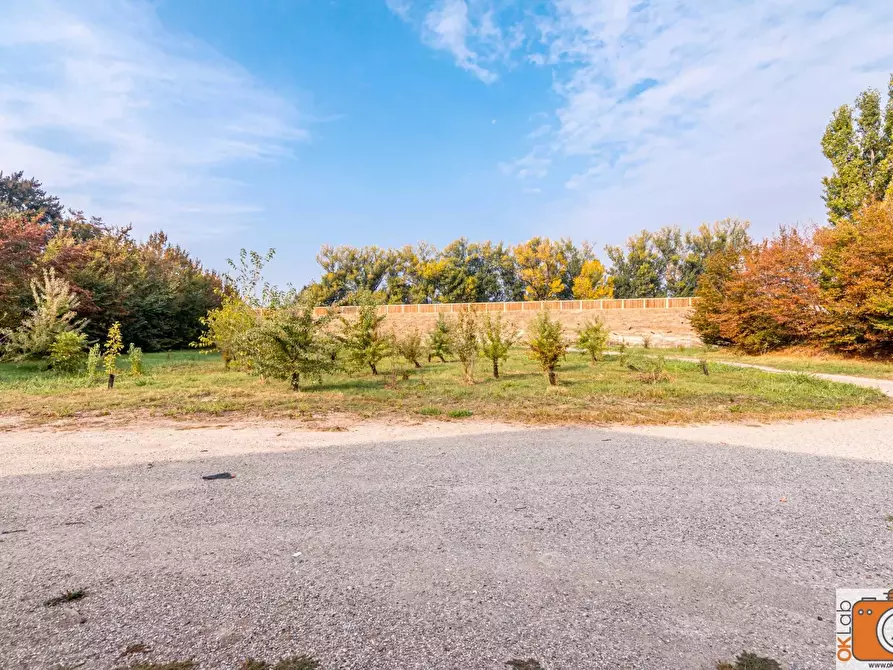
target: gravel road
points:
(582, 548)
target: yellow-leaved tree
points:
(541, 265)
(593, 282)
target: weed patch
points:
(290, 663)
(749, 661)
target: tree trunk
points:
(111, 381)
(417, 364)
(552, 379)
(295, 381)
(442, 359)
(495, 369)
(430, 356)
(374, 369)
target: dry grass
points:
(190, 385)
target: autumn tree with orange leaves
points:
(856, 280)
(769, 299)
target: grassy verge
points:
(190, 385)
(798, 360)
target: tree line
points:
(830, 286)
(153, 289)
(665, 263)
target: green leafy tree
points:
(727, 235)
(135, 360)
(440, 340)
(409, 346)
(53, 313)
(225, 329)
(859, 144)
(364, 342)
(350, 273)
(497, 339)
(292, 343)
(637, 271)
(113, 348)
(465, 343)
(593, 337)
(94, 358)
(18, 194)
(68, 352)
(547, 344)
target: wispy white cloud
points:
(670, 106)
(448, 27)
(400, 7)
(98, 98)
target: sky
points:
(296, 123)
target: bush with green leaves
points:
(440, 340)
(94, 358)
(225, 329)
(68, 352)
(135, 360)
(497, 338)
(290, 343)
(465, 343)
(593, 338)
(363, 340)
(409, 346)
(113, 348)
(547, 344)
(54, 313)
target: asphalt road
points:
(580, 548)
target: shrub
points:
(459, 413)
(135, 359)
(94, 357)
(409, 346)
(290, 343)
(646, 341)
(113, 348)
(593, 337)
(465, 343)
(364, 342)
(440, 340)
(53, 314)
(623, 357)
(497, 338)
(547, 344)
(650, 369)
(67, 353)
(225, 329)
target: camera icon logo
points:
(864, 622)
(873, 629)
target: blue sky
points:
(293, 123)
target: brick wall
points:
(663, 320)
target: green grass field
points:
(807, 361)
(191, 385)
